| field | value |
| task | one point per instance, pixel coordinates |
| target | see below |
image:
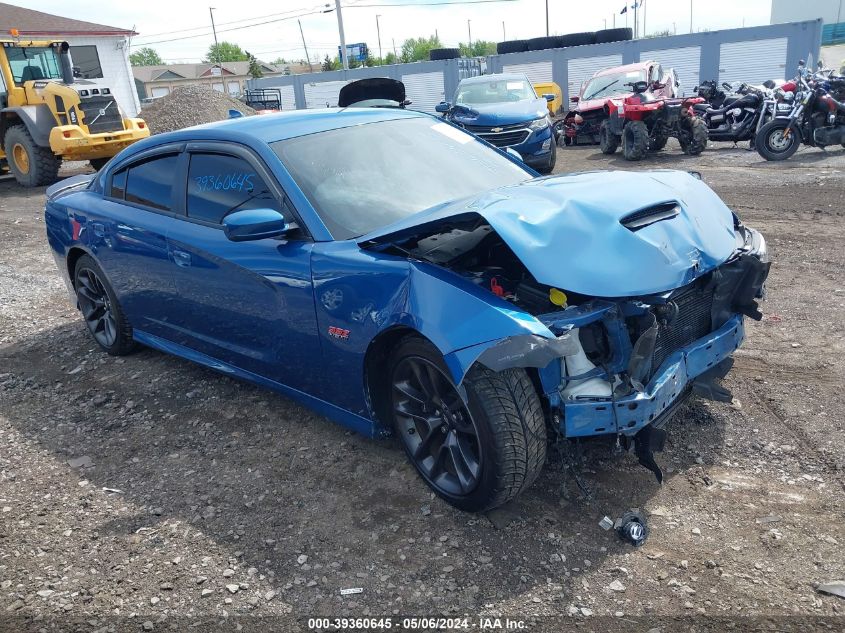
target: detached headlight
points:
(539, 124)
(758, 246)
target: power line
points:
(236, 28)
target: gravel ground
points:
(147, 493)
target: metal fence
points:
(751, 54)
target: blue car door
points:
(125, 230)
(248, 304)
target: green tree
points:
(330, 64)
(391, 58)
(225, 52)
(665, 33)
(416, 49)
(254, 67)
(145, 57)
(280, 61)
(479, 48)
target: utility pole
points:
(311, 68)
(469, 33)
(214, 30)
(636, 20)
(394, 49)
(605, 22)
(343, 56)
(644, 14)
(378, 32)
(504, 37)
(547, 18)
(690, 16)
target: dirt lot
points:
(147, 493)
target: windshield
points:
(364, 177)
(614, 84)
(30, 63)
(499, 91)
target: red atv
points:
(582, 122)
(643, 123)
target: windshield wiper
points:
(602, 89)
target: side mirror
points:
(575, 99)
(549, 97)
(514, 154)
(406, 103)
(254, 224)
(235, 114)
(442, 107)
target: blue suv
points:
(505, 111)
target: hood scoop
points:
(642, 218)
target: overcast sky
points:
(169, 19)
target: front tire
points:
(476, 452)
(774, 143)
(608, 141)
(635, 140)
(547, 169)
(101, 310)
(30, 164)
(693, 136)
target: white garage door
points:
(537, 72)
(582, 68)
(425, 90)
(754, 61)
(288, 98)
(234, 88)
(218, 86)
(160, 92)
(686, 61)
(323, 95)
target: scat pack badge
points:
(338, 333)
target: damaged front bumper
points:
(627, 415)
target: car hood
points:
(595, 104)
(568, 231)
(500, 113)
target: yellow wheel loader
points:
(46, 118)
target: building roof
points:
(38, 23)
(147, 74)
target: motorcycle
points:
(737, 115)
(816, 118)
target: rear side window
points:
(118, 184)
(219, 184)
(150, 183)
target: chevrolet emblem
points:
(497, 129)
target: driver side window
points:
(219, 184)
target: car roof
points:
(627, 68)
(278, 126)
(497, 77)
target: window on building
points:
(86, 62)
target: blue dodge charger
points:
(402, 277)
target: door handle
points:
(99, 229)
(181, 258)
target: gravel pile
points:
(190, 105)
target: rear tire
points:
(693, 135)
(101, 310)
(608, 141)
(635, 140)
(498, 434)
(658, 142)
(30, 164)
(98, 163)
(772, 145)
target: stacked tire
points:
(614, 35)
(512, 46)
(559, 41)
(436, 54)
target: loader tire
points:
(30, 164)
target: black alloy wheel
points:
(436, 427)
(96, 307)
(100, 308)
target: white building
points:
(100, 53)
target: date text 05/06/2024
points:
(415, 624)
